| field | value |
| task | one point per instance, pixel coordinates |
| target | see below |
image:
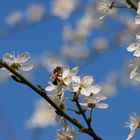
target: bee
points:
(56, 75)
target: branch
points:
(44, 95)
(132, 4)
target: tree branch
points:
(44, 95)
(132, 4)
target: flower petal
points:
(137, 53)
(67, 81)
(26, 67)
(74, 71)
(95, 89)
(50, 87)
(66, 72)
(76, 79)
(23, 57)
(74, 87)
(101, 105)
(8, 58)
(87, 80)
(132, 47)
(85, 92)
(133, 73)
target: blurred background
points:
(68, 32)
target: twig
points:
(85, 118)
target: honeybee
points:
(55, 75)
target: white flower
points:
(18, 61)
(133, 124)
(134, 47)
(84, 85)
(66, 133)
(92, 101)
(35, 12)
(43, 116)
(104, 6)
(14, 17)
(63, 8)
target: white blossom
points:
(133, 124)
(84, 85)
(92, 101)
(18, 61)
(63, 8)
(105, 6)
(66, 133)
(134, 47)
(134, 66)
(14, 17)
(35, 12)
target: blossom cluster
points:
(135, 47)
(134, 65)
(63, 79)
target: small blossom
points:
(14, 17)
(63, 8)
(84, 85)
(133, 124)
(18, 61)
(134, 66)
(66, 133)
(35, 12)
(105, 6)
(92, 101)
(134, 47)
